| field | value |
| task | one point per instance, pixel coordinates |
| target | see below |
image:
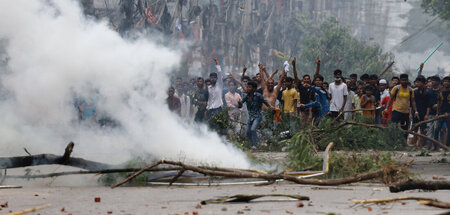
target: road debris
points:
(30, 210)
(419, 184)
(420, 200)
(248, 198)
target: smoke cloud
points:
(57, 55)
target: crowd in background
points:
(372, 98)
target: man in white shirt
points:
(338, 92)
(215, 91)
(383, 89)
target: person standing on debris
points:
(200, 100)
(404, 99)
(215, 102)
(338, 92)
(173, 102)
(254, 101)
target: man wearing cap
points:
(382, 84)
(215, 90)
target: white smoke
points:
(55, 53)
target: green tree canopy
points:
(437, 7)
(337, 49)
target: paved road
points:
(76, 195)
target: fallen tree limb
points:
(406, 131)
(83, 172)
(423, 185)
(382, 173)
(416, 125)
(46, 159)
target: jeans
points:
(439, 126)
(252, 125)
(212, 112)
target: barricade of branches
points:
(388, 174)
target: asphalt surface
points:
(76, 195)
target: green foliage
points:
(303, 155)
(337, 49)
(302, 152)
(437, 7)
(220, 122)
(113, 178)
(355, 137)
(442, 160)
(423, 154)
(352, 163)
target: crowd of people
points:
(307, 100)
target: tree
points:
(338, 49)
(437, 7)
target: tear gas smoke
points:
(57, 55)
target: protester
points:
(383, 86)
(356, 101)
(338, 92)
(254, 101)
(421, 97)
(215, 90)
(444, 108)
(374, 99)
(320, 105)
(173, 102)
(353, 83)
(348, 115)
(368, 102)
(290, 98)
(200, 100)
(402, 99)
(232, 99)
(395, 81)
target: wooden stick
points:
(420, 200)
(419, 184)
(138, 173)
(385, 70)
(416, 125)
(30, 210)
(180, 173)
(363, 109)
(390, 200)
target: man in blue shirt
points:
(254, 102)
(320, 105)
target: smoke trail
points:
(57, 55)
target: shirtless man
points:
(270, 92)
